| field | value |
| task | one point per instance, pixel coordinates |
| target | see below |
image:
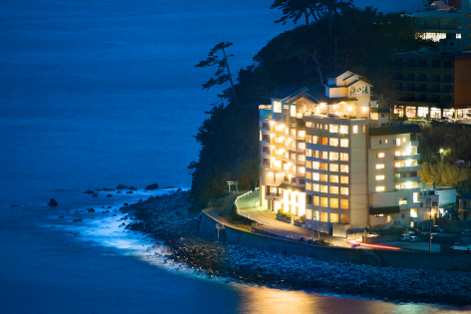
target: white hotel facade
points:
(332, 155)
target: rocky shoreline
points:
(168, 218)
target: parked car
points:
(405, 237)
(414, 239)
(466, 232)
(372, 234)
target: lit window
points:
(334, 128)
(308, 124)
(355, 129)
(334, 203)
(398, 142)
(380, 155)
(334, 179)
(324, 189)
(302, 145)
(344, 168)
(301, 157)
(364, 129)
(386, 141)
(333, 156)
(301, 170)
(324, 141)
(326, 127)
(315, 153)
(324, 216)
(315, 140)
(404, 140)
(344, 191)
(334, 218)
(344, 156)
(379, 166)
(324, 201)
(334, 190)
(301, 133)
(334, 142)
(344, 129)
(308, 186)
(380, 177)
(315, 176)
(325, 155)
(380, 189)
(344, 179)
(277, 106)
(308, 152)
(324, 178)
(324, 166)
(308, 175)
(315, 187)
(315, 165)
(344, 204)
(316, 200)
(308, 138)
(334, 167)
(293, 132)
(397, 153)
(293, 111)
(397, 164)
(344, 142)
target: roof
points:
(288, 92)
(395, 129)
(337, 73)
(385, 210)
(380, 110)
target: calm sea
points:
(97, 93)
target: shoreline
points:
(167, 218)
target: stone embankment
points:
(168, 217)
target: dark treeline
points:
(299, 57)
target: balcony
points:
(407, 179)
(408, 169)
(408, 157)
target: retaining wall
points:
(336, 254)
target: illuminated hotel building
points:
(331, 154)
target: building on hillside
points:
(333, 155)
(439, 21)
(433, 83)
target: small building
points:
(464, 206)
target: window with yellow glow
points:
(344, 179)
(277, 163)
(344, 156)
(277, 106)
(324, 141)
(344, 191)
(355, 129)
(344, 168)
(344, 142)
(398, 142)
(301, 133)
(344, 129)
(315, 165)
(334, 128)
(308, 138)
(344, 204)
(334, 142)
(379, 166)
(324, 202)
(334, 167)
(334, 179)
(315, 153)
(308, 164)
(397, 164)
(315, 140)
(380, 177)
(334, 218)
(293, 111)
(315, 200)
(315, 176)
(302, 145)
(308, 186)
(334, 203)
(324, 155)
(323, 178)
(308, 124)
(324, 166)
(308, 152)
(324, 216)
(324, 189)
(315, 187)
(364, 129)
(301, 170)
(334, 190)
(397, 153)
(380, 188)
(333, 156)
(309, 175)
(380, 155)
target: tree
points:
(222, 65)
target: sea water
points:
(97, 93)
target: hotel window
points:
(355, 129)
(379, 166)
(316, 200)
(308, 152)
(308, 138)
(324, 202)
(380, 177)
(315, 187)
(302, 145)
(344, 142)
(344, 179)
(324, 216)
(386, 141)
(308, 175)
(344, 129)
(334, 218)
(325, 155)
(315, 176)
(308, 164)
(277, 106)
(344, 204)
(380, 188)
(308, 186)
(344, 156)
(334, 203)
(344, 168)
(315, 165)
(308, 124)
(334, 128)
(334, 142)
(293, 111)
(364, 129)
(324, 189)
(301, 170)
(326, 127)
(397, 153)
(344, 191)
(315, 140)
(402, 201)
(397, 164)
(398, 142)
(293, 132)
(315, 153)
(380, 155)
(334, 179)
(324, 166)
(334, 167)
(333, 156)
(334, 190)
(324, 141)
(293, 156)
(324, 178)
(301, 133)
(404, 140)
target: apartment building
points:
(331, 154)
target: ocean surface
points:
(98, 93)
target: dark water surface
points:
(96, 93)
